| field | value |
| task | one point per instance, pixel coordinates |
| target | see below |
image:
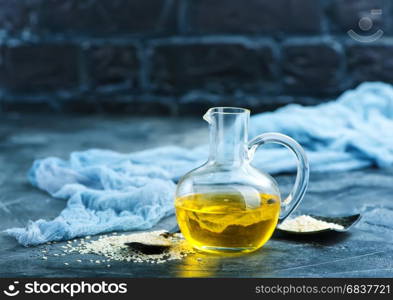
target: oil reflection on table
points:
(217, 265)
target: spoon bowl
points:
(346, 221)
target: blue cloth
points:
(109, 191)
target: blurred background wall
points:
(174, 57)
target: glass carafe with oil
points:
(227, 205)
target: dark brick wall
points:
(182, 56)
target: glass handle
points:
(303, 170)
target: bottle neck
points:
(228, 139)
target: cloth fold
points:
(109, 191)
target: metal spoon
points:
(154, 248)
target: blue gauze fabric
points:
(109, 191)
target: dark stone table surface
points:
(365, 251)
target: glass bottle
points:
(227, 205)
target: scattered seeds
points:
(113, 247)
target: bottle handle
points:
(299, 189)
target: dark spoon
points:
(346, 221)
(147, 249)
(153, 248)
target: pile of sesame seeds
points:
(113, 248)
(306, 223)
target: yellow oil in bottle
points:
(227, 222)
